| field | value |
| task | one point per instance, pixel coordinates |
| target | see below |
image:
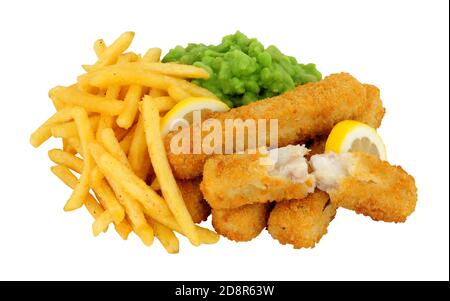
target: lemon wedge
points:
(182, 113)
(354, 136)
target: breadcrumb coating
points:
(302, 223)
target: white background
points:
(400, 46)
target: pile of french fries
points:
(109, 123)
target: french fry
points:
(112, 53)
(109, 201)
(106, 122)
(113, 92)
(152, 55)
(156, 93)
(124, 229)
(42, 133)
(66, 159)
(173, 69)
(128, 57)
(134, 93)
(96, 177)
(137, 155)
(155, 185)
(169, 187)
(81, 119)
(105, 107)
(207, 236)
(69, 129)
(134, 212)
(170, 69)
(145, 234)
(128, 76)
(91, 204)
(58, 104)
(101, 188)
(153, 204)
(195, 90)
(101, 223)
(102, 217)
(91, 103)
(67, 147)
(132, 207)
(163, 103)
(127, 116)
(177, 93)
(125, 143)
(99, 47)
(112, 145)
(76, 144)
(166, 236)
(119, 132)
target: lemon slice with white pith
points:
(182, 113)
(354, 136)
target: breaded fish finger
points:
(366, 185)
(231, 181)
(302, 223)
(241, 224)
(304, 113)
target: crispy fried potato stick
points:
(100, 188)
(152, 55)
(86, 136)
(42, 133)
(177, 93)
(125, 143)
(156, 93)
(99, 47)
(66, 159)
(166, 236)
(109, 141)
(135, 214)
(138, 155)
(126, 76)
(92, 103)
(69, 129)
(127, 116)
(163, 103)
(111, 54)
(109, 201)
(169, 187)
(95, 209)
(133, 208)
(170, 69)
(154, 205)
(76, 144)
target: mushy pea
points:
(242, 70)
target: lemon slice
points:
(354, 136)
(182, 113)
